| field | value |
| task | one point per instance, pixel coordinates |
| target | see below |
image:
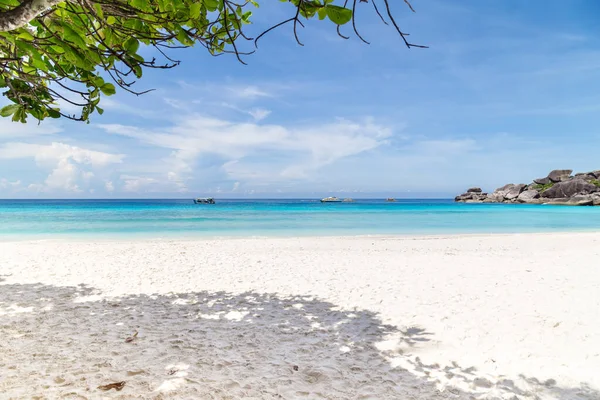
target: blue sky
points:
(507, 91)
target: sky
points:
(507, 91)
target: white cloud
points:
(9, 129)
(248, 92)
(138, 183)
(64, 177)
(259, 113)
(297, 151)
(109, 186)
(70, 166)
(6, 184)
(52, 153)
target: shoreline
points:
(434, 317)
(408, 236)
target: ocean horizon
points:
(181, 218)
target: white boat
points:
(205, 200)
(331, 200)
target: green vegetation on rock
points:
(541, 188)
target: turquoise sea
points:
(32, 219)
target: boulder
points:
(495, 197)
(529, 196)
(501, 192)
(588, 178)
(514, 191)
(558, 201)
(471, 197)
(542, 181)
(596, 199)
(595, 173)
(570, 188)
(463, 197)
(560, 175)
(582, 200)
(474, 190)
(578, 200)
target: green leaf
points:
(9, 110)
(211, 5)
(73, 36)
(58, 49)
(52, 113)
(195, 10)
(108, 89)
(246, 17)
(339, 15)
(322, 13)
(132, 45)
(139, 4)
(26, 36)
(98, 81)
(99, 10)
(111, 20)
(100, 110)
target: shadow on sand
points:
(64, 342)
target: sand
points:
(456, 317)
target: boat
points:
(390, 199)
(348, 200)
(331, 200)
(205, 200)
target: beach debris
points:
(131, 338)
(116, 385)
(295, 368)
(556, 325)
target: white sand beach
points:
(456, 317)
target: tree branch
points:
(20, 16)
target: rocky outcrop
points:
(570, 188)
(560, 175)
(559, 187)
(529, 196)
(542, 181)
(471, 197)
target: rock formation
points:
(559, 187)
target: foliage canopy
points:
(73, 52)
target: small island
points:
(559, 187)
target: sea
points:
(48, 219)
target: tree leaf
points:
(338, 15)
(111, 20)
(131, 45)
(211, 5)
(72, 36)
(52, 113)
(108, 89)
(25, 35)
(322, 13)
(195, 10)
(9, 110)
